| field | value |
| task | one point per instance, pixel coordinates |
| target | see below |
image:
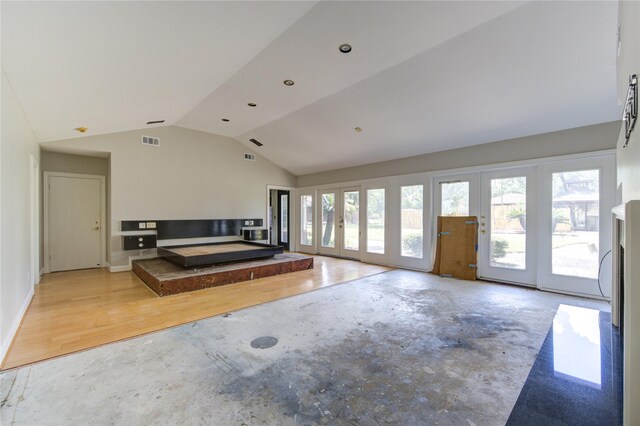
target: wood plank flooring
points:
(78, 310)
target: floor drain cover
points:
(264, 342)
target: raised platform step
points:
(166, 278)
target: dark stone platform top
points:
(193, 255)
(163, 269)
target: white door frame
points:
(335, 250)
(343, 252)
(297, 205)
(293, 246)
(570, 284)
(377, 258)
(34, 170)
(395, 216)
(103, 239)
(485, 270)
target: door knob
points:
(483, 231)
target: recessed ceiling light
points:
(345, 48)
(81, 129)
(288, 82)
(251, 104)
(155, 122)
(225, 120)
(358, 129)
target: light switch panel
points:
(142, 225)
(151, 225)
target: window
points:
(411, 210)
(575, 223)
(306, 220)
(375, 220)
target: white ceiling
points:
(422, 76)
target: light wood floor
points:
(77, 310)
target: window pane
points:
(576, 223)
(375, 220)
(284, 218)
(306, 220)
(351, 223)
(509, 222)
(411, 220)
(328, 219)
(455, 199)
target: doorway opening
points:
(279, 217)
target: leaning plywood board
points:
(456, 251)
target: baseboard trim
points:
(17, 321)
(121, 268)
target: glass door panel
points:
(575, 212)
(454, 199)
(306, 220)
(375, 220)
(351, 220)
(411, 219)
(327, 233)
(508, 227)
(283, 218)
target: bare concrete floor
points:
(399, 348)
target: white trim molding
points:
(16, 325)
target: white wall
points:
(70, 163)
(629, 182)
(191, 175)
(629, 63)
(572, 141)
(17, 143)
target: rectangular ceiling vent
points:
(255, 142)
(148, 140)
(250, 157)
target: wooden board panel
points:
(456, 253)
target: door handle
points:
(97, 228)
(482, 231)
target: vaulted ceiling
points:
(421, 76)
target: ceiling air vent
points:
(250, 157)
(255, 142)
(148, 140)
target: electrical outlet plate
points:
(151, 225)
(248, 223)
(142, 225)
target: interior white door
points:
(74, 205)
(508, 226)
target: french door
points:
(575, 223)
(340, 233)
(506, 235)
(546, 226)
